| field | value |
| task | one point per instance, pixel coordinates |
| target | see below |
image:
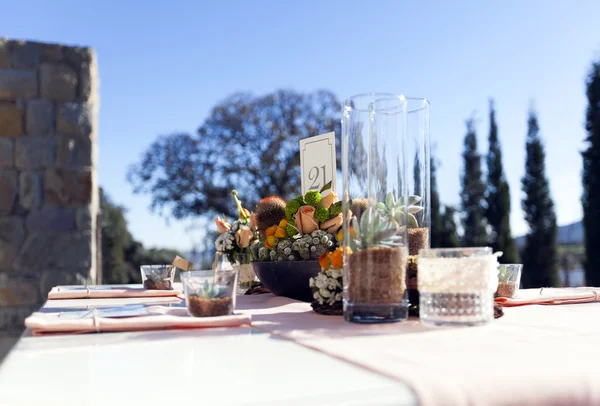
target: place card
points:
(318, 162)
(183, 264)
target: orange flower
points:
(280, 232)
(270, 231)
(324, 261)
(340, 234)
(337, 259)
(270, 242)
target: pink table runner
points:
(534, 355)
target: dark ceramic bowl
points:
(288, 278)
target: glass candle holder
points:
(374, 208)
(158, 277)
(509, 278)
(208, 293)
(457, 285)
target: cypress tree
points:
(417, 175)
(437, 227)
(472, 193)
(498, 197)
(540, 252)
(449, 234)
(591, 179)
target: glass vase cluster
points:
(375, 208)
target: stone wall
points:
(48, 184)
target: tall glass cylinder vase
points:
(419, 182)
(374, 208)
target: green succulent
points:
(158, 274)
(504, 274)
(211, 291)
(373, 229)
(395, 210)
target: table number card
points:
(318, 162)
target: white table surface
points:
(233, 366)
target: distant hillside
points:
(571, 234)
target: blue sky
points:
(163, 65)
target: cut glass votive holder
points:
(208, 293)
(457, 285)
(158, 277)
(509, 279)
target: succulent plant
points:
(394, 210)
(504, 274)
(158, 274)
(373, 229)
(211, 291)
(269, 212)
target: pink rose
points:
(243, 236)
(330, 199)
(222, 225)
(305, 220)
(333, 224)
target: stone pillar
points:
(48, 182)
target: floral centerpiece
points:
(234, 241)
(293, 236)
(301, 230)
(328, 286)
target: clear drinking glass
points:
(509, 278)
(374, 200)
(208, 293)
(158, 277)
(457, 285)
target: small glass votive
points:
(457, 285)
(208, 293)
(509, 278)
(158, 277)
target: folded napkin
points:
(160, 318)
(552, 296)
(105, 292)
